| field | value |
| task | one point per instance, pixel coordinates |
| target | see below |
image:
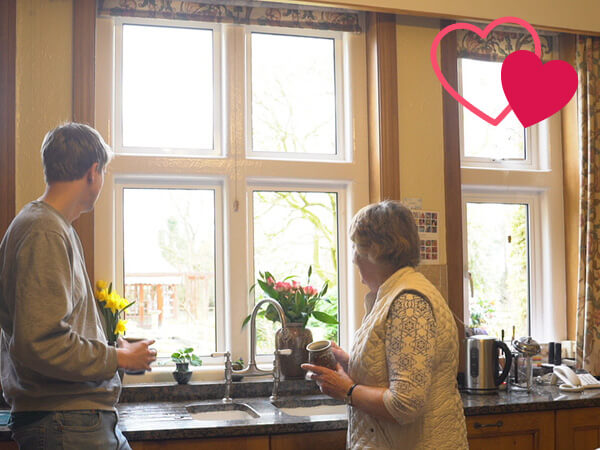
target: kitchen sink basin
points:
(222, 411)
(311, 406)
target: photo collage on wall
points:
(427, 223)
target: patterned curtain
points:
(588, 293)
(247, 13)
(499, 44)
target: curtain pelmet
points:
(499, 44)
(320, 19)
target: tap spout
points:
(252, 369)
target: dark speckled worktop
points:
(159, 411)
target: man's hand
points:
(136, 355)
(334, 383)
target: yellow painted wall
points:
(420, 121)
(559, 14)
(43, 85)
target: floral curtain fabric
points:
(499, 44)
(588, 294)
(250, 13)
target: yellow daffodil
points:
(121, 327)
(123, 302)
(102, 295)
(112, 302)
(112, 305)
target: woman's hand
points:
(334, 383)
(340, 355)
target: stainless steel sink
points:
(221, 411)
(307, 407)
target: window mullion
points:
(236, 205)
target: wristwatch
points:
(349, 394)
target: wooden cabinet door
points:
(578, 429)
(234, 443)
(518, 431)
(330, 440)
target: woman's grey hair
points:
(69, 150)
(386, 233)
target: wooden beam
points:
(8, 46)
(382, 79)
(84, 51)
(453, 188)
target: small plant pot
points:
(237, 377)
(182, 367)
(182, 377)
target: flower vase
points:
(295, 337)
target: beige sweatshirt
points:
(53, 348)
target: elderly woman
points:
(400, 380)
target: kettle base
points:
(481, 391)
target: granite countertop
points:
(159, 411)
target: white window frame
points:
(217, 149)
(544, 188)
(237, 173)
(536, 137)
(530, 198)
(341, 190)
(123, 182)
(343, 151)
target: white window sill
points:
(164, 374)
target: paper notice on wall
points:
(428, 226)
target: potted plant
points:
(299, 303)
(237, 365)
(182, 359)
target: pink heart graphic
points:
(535, 90)
(482, 34)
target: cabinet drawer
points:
(522, 431)
(578, 429)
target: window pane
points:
(169, 265)
(498, 243)
(293, 94)
(482, 86)
(292, 231)
(167, 87)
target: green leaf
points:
(188, 350)
(246, 320)
(251, 288)
(309, 274)
(110, 288)
(323, 317)
(272, 314)
(269, 290)
(323, 289)
(127, 307)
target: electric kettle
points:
(483, 369)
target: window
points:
(233, 156)
(512, 214)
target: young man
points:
(58, 373)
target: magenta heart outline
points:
(483, 35)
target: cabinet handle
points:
(488, 425)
